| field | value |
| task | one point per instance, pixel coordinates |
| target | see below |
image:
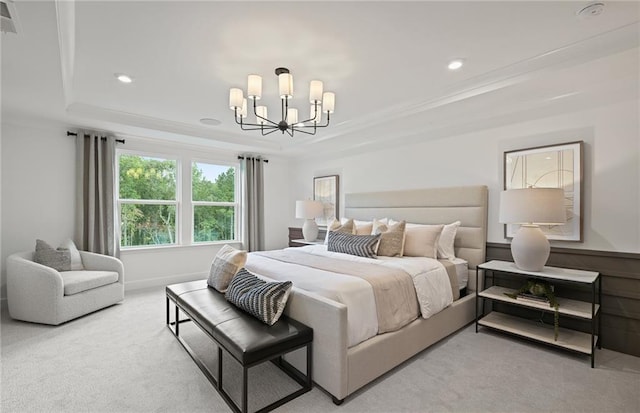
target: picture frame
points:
(326, 190)
(550, 166)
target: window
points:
(213, 196)
(147, 200)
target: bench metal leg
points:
(304, 380)
(245, 389)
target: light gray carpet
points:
(123, 359)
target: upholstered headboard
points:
(467, 204)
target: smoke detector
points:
(8, 17)
(591, 10)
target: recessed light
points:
(591, 10)
(123, 78)
(210, 121)
(455, 64)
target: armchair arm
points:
(29, 282)
(99, 262)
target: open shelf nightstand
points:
(567, 338)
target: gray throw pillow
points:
(263, 300)
(391, 239)
(45, 254)
(224, 266)
(359, 245)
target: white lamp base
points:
(310, 230)
(530, 248)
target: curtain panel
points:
(95, 197)
(253, 194)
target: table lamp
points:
(309, 210)
(531, 207)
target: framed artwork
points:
(553, 166)
(325, 190)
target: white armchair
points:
(40, 294)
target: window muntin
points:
(215, 210)
(148, 201)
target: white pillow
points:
(421, 240)
(76, 260)
(447, 238)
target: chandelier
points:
(320, 103)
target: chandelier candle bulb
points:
(235, 98)
(285, 83)
(261, 111)
(315, 115)
(315, 91)
(254, 87)
(292, 116)
(328, 102)
(243, 112)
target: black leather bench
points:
(246, 339)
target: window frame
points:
(235, 204)
(177, 202)
(184, 202)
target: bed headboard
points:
(467, 204)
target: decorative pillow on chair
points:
(391, 239)
(359, 245)
(447, 238)
(263, 300)
(76, 260)
(224, 266)
(59, 260)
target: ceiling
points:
(385, 61)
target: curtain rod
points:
(259, 159)
(102, 137)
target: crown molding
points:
(602, 45)
(66, 22)
(222, 139)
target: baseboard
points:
(162, 281)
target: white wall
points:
(611, 169)
(38, 193)
(38, 190)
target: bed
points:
(342, 364)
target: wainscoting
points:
(620, 289)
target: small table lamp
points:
(309, 210)
(531, 207)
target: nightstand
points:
(302, 242)
(589, 311)
(295, 237)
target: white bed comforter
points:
(430, 279)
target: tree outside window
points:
(214, 202)
(147, 200)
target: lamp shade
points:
(544, 206)
(308, 209)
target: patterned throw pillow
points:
(359, 245)
(391, 239)
(59, 260)
(263, 300)
(225, 265)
